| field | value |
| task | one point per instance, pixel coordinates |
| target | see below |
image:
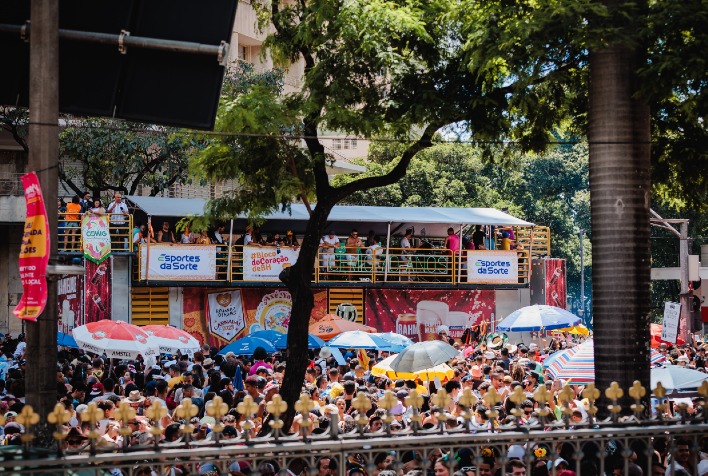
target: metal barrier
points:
(69, 233)
(478, 440)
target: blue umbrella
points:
(247, 345)
(313, 342)
(398, 341)
(359, 340)
(66, 340)
(268, 334)
(538, 317)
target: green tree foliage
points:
(121, 156)
(549, 189)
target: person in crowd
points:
(291, 240)
(203, 238)
(274, 240)
(73, 223)
(328, 244)
(165, 235)
(86, 202)
(219, 236)
(478, 238)
(96, 207)
(119, 213)
(187, 237)
(452, 241)
(374, 249)
(352, 246)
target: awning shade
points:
(342, 216)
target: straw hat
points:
(134, 397)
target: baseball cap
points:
(97, 389)
(229, 354)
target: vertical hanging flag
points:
(34, 253)
(96, 237)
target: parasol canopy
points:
(577, 364)
(677, 378)
(247, 345)
(332, 325)
(423, 355)
(359, 340)
(66, 340)
(313, 342)
(171, 340)
(441, 371)
(117, 339)
(579, 330)
(538, 317)
(398, 341)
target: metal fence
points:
(475, 442)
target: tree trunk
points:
(299, 282)
(619, 135)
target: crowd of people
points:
(83, 378)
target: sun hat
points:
(134, 397)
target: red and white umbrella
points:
(116, 339)
(171, 340)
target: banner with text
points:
(95, 237)
(97, 290)
(418, 314)
(34, 252)
(178, 262)
(266, 263)
(225, 314)
(69, 301)
(492, 267)
(670, 324)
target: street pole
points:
(686, 296)
(43, 159)
(581, 311)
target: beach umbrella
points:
(332, 325)
(267, 334)
(577, 364)
(117, 339)
(423, 355)
(247, 345)
(677, 378)
(359, 340)
(579, 330)
(441, 371)
(171, 340)
(313, 342)
(538, 317)
(398, 341)
(66, 340)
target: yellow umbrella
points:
(383, 369)
(580, 330)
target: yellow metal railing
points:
(69, 232)
(536, 239)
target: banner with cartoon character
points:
(225, 314)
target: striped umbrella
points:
(577, 364)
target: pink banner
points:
(555, 283)
(97, 294)
(34, 253)
(418, 314)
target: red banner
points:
(34, 253)
(69, 300)
(417, 314)
(97, 294)
(555, 283)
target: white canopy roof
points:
(342, 216)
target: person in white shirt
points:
(118, 211)
(328, 243)
(21, 348)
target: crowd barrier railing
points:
(69, 237)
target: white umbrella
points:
(675, 377)
(116, 339)
(538, 317)
(399, 341)
(171, 340)
(359, 340)
(423, 355)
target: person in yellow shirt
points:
(175, 376)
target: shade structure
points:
(267, 334)
(313, 342)
(677, 378)
(66, 340)
(579, 330)
(171, 340)
(655, 336)
(423, 355)
(398, 341)
(359, 340)
(538, 317)
(247, 345)
(117, 339)
(577, 364)
(332, 325)
(441, 371)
